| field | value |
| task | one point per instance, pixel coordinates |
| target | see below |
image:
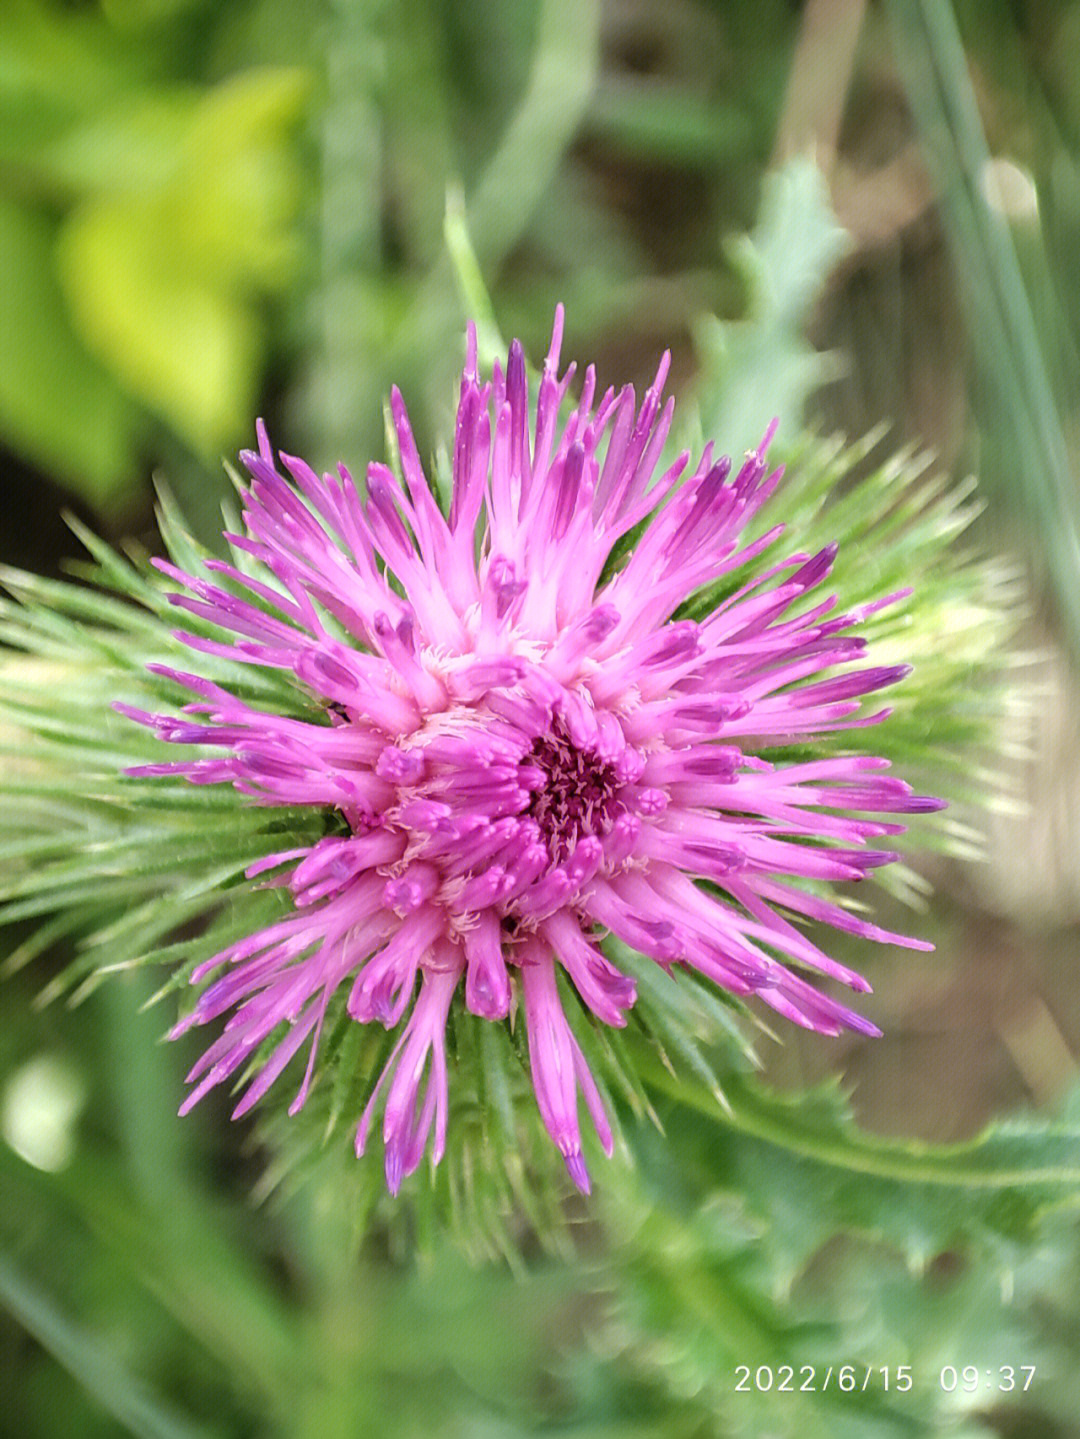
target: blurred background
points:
(210, 212)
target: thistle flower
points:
(524, 749)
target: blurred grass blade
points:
(123, 1396)
(933, 67)
(561, 83)
(470, 281)
(499, 210)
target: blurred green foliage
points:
(145, 217)
(209, 209)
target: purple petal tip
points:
(575, 1165)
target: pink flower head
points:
(524, 754)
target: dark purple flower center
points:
(579, 795)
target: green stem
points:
(759, 1114)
